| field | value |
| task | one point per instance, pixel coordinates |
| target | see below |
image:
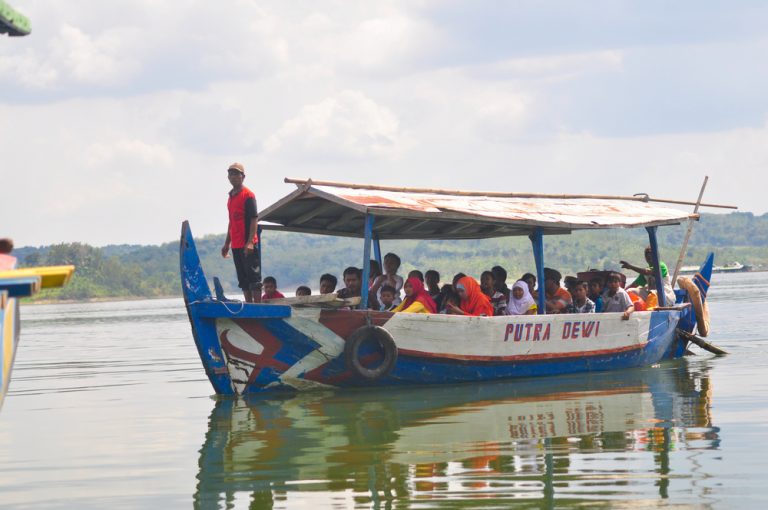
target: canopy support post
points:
(258, 245)
(656, 266)
(377, 251)
(537, 240)
(366, 262)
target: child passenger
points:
(531, 281)
(328, 284)
(557, 298)
(387, 301)
(431, 281)
(303, 291)
(581, 303)
(448, 296)
(521, 302)
(488, 286)
(616, 299)
(390, 277)
(596, 293)
(417, 274)
(270, 289)
(417, 299)
(500, 280)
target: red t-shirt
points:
(242, 210)
(275, 295)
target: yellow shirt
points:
(416, 307)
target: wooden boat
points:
(14, 285)
(253, 348)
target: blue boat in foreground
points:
(323, 342)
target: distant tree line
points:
(119, 271)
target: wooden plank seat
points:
(317, 301)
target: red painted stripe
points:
(524, 357)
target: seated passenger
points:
(616, 299)
(352, 283)
(521, 302)
(448, 295)
(328, 284)
(581, 303)
(646, 281)
(531, 281)
(375, 272)
(270, 289)
(387, 302)
(596, 293)
(488, 286)
(432, 281)
(417, 299)
(7, 261)
(390, 277)
(473, 301)
(417, 274)
(557, 298)
(303, 291)
(500, 280)
(456, 278)
(569, 282)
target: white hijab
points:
(522, 305)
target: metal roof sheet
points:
(410, 215)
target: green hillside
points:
(298, 259)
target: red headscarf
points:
(475, 302)
(420, 295)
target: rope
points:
(242, 307)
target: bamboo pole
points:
(642, 197)
(688, 233)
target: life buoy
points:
(385, 343)
(700, 307)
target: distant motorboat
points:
(733, 267)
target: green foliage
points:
(299, 259)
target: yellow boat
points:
(16, 284)
(51, 277)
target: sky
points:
(119, 119)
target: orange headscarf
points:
(475, 302)
(420, 295)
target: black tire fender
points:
(352, 352)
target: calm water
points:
(109, 408)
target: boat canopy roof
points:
(12, 22)
(408, 213)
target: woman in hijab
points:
(473, 301)
(417, 299)
(521, 302)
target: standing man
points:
(242, 235)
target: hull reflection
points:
(503, 441)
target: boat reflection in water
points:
(573, 440)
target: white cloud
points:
(348, 124)
(549, 67)
(26, 69)
(128, 152)
(94, 60)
